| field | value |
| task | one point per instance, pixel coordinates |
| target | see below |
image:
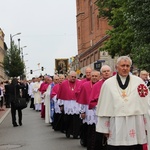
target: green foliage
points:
(13, 64)
(141, 56)
(121, 36)
(139, 18)
(130, 34)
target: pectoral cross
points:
(124, 95)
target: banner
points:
(61, 65)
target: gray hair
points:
(61, 75)
(124, 58)
(72, 72)
(95, 71)
(104, 66)
(55, 77)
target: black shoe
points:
(75, 137)
(15, 125)
(67, 135)
(83, 143)
(20, 123)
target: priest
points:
(67, 101)
(37, 94)
(100, 139)
(121, 107)
(42, 89)
(58, 115)
(49, 104)
(88, 116)
(105, 74)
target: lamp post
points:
(11, 38)
(21, 49)
(19, 44)
(22, 55)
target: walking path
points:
(4, 113)
(34, 134)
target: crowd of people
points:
(104, 110)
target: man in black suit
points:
(6, 94)
(25, 90)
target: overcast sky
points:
(48, 29)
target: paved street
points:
(33, 135)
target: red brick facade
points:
(90, 32)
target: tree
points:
(130, 34)
(13, 64)
(121, 35)
(138, 15)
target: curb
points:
(3, 117)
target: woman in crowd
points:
(14, 89)
(1, 96)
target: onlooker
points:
(144, 77)
(14, 90)
(6, 94)
(25, 93)
(2, 96)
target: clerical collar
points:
(126, 83)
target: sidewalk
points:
(4, 113)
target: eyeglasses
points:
(94, 76)
(73, 76)
(128, 66)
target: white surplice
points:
(37, 93)
(91, 117)
(122, 115)
(148, 125)
(47, 104)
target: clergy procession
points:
(104, 110)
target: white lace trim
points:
(71, 107)
(91, 117)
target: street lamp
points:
(19, 44)
(11, 38)
(22, 55)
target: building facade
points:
(91, 34)
(3, 49)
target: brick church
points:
(91, 33)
